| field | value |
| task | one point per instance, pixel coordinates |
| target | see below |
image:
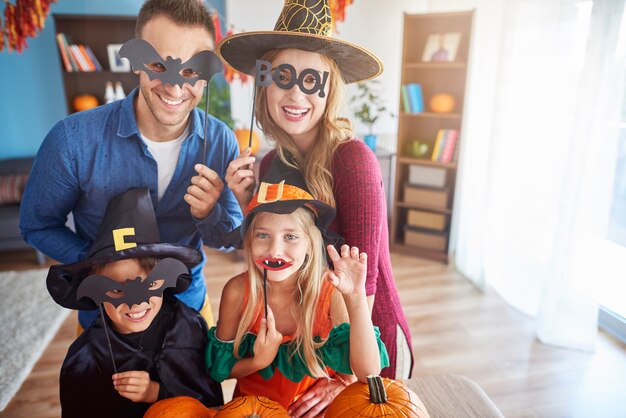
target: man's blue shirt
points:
(92, 156)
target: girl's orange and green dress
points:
(288, 376)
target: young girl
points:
(310, 322)
(299, 108)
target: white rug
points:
(29, 319)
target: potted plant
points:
(368, 106)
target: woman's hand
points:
(350, 268)
(204, 192)
(240, 177)
(267, 341)
(136, 386)
(316, 399)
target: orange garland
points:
(22, 20)
(338, 10)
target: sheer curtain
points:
(536, 173)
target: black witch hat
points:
(129, 230)
(306, 25)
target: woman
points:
(298, 108)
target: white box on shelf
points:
(420, 175)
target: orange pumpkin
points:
(243, 138)
(84, 102)
(179, 407)
(252, 407)
(442, 103)
(380, 397)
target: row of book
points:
(76, 58)
(412, 98)
(446, 146)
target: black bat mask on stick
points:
(143, 57)
(165, 274)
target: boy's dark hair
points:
(183, 12)
(146, 264)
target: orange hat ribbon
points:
(269, 193)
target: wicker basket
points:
(428, 197)
(425, 239)
(429, 220)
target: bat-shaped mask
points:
(143, 57)
(101, 288)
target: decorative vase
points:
(370, 141)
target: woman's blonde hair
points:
(334, 129)
(305, 298)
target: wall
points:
(31, 83)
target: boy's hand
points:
(348, 275)
(240, 177)
(136, 386)
(206, 188)
(267, 342)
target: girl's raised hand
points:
(240, 177)
(267, 341)
(350, 269)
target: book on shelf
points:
(416, 98)
(76, 58)
(63, 51)
(406, 104)
(450, 145)
(438, 145)
(93, 58)
(445, 146)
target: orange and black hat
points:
(128, 230)
(306, 25)
(283, 190)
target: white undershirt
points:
(166, 156)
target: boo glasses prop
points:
(309, 81)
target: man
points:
(154, 138)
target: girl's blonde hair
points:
(305, 298)
(334, 129)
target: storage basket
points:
(425, 239)
(424, 196)
(429, 220)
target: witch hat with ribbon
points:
(128, 230)
(283, 190)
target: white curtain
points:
(537, 161)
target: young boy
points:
(146, 345)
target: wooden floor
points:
(456, 329)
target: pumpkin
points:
(442, 103)
(179, 407)
(380, 397)
(243, 138)
(252, 407)
(84, 102)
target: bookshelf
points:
(424, 189)
(97, 32)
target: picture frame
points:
(117, 64)
(441, 47)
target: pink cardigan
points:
(362, 221)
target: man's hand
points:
(136, 386)
(206, 188)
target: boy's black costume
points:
(171, 349)
(86, 384)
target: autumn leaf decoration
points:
(22, 20)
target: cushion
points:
(12, 188)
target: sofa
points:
(13, 176)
